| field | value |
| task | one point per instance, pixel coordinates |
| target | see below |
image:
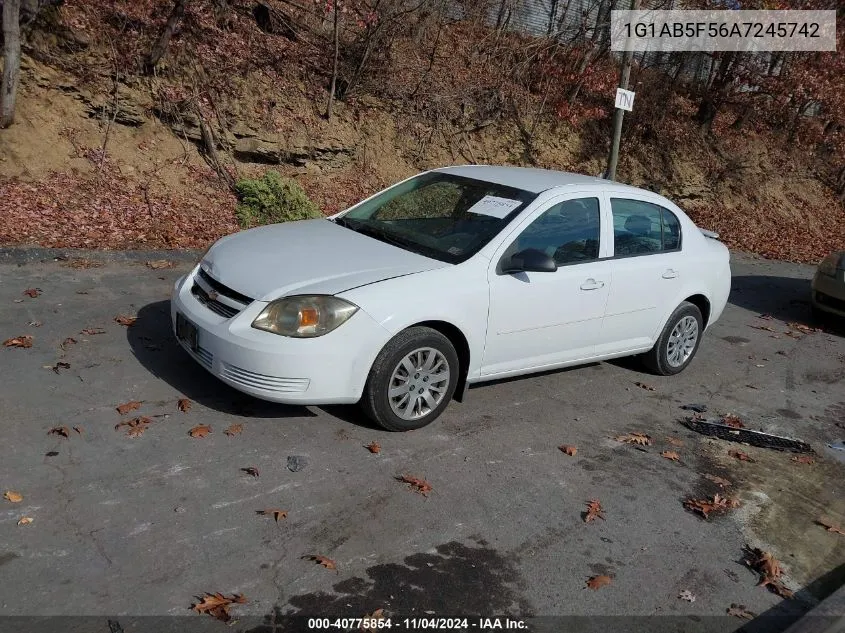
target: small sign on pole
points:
(624, 99)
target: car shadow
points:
(154, 345)
(787, 612)
(785, 298)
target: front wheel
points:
(412, 380)
(678, 343)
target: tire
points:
(667, 362)
(415, 347)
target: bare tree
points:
(160, 47)
(12, 65)
(335, 36)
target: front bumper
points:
(329, 369)
(829, 293)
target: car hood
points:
(307, 257)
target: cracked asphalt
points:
(139, 526)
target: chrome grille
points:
(218, 297)
(215, 306)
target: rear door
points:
(541, 319)
(647, 269)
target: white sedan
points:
(450, 278)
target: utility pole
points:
(627, 55)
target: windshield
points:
(439, 215)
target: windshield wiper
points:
(382, 235)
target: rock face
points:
(276, 152)
(131, 105)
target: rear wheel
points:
(678, 342)
(412, 380)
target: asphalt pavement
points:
(128, 526)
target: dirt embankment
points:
(102, 163)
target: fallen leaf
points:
(642, 385)
(634, 438)
(568, 449)
(687, 595)
(378, 614)
(734, 421)
(273, 512)
(767, 317)
(804, 328)
(34, 324)
(12, 496)
(792, 334)
(597, 582)
(769, 569)
(671, 455)
(201, 430)
(25, 340)
(59, 430)
(830, 526)
(251, 471)
(674, 441)
(32, 292)
(83, 262)
(184, 405)
(719, 481)
(763, 327)
(60, 365)
(126, 407)
(705, 506)
(158, 264)
(804, 459)
(91, 331)
(328, 563)
(125, 320)
(25, 520)
(594, 511)
(135, 426)
(417, 485)
(743, 457)
(234, 429)
(78, 429)
(217, 605)
(68, 341)
(374, 447)
(739, 611)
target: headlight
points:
(305, 316)
(830, 264)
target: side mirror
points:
(530, 260)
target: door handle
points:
(670, 274)
(592, 284)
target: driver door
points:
(545, 319)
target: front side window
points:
(568, 232)
(642, 228)
(439, 215)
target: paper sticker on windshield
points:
(494, 206)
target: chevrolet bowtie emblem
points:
(213, 296)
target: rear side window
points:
(643, 228)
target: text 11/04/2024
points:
(481, 625)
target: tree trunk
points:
(336, 37)
(163, 41)
(597, 46)
(715, 94)
(12, 63)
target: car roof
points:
(529, 179)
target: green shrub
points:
(272, 199)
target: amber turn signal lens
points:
(308, 317)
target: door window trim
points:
(518, 230)
(611, 198)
